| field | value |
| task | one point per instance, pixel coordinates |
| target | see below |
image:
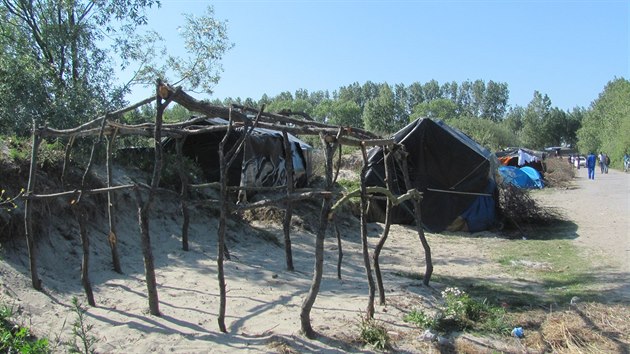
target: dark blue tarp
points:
(481, 215)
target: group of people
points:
(591, 162)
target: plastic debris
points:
(518, 332)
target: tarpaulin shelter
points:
(516, 177)
(454, 173)
(519, 157)
(259, 164)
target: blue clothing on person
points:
(591, 161)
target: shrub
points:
(373, 333)
(16, 339)
(460, 312)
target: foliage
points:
(16, 339)
(606, 124)
(420, 319)
(84, 341)
(436, 109)
(459, 311)
(493, 136)
(373, 333)
(57, 59)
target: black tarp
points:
(260, 163)
(448, 167)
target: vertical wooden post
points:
(329, 143)
(288, 214)
(111, 210)
(183, 177)
(28, 212)
(388, 222)
(339, 246)
(364, 239)
(85, 244)
(223, 171)
(418, 218)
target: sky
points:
(568, 50)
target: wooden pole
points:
(85, 245)
(418, 218)
(111, 210)
(309, 300)
(183, 177)
(364, 239)
(288, 214)
(223, 170)
(388, 222)
(28, 213)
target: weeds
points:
(16, 339)
(460, 312)
(373, 333)
(84, 341)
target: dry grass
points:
(559, 173)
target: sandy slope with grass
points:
(264, 299)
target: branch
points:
(411, 194)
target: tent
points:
(516, 177)
(533, 174)
(519, 157)
(259, 164)
(454, 173)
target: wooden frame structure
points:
(331, 137)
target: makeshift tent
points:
(514, 176)
(454, 173)
(520, 157)
(260, 163)
(534, 176)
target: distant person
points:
(602, 161)
(606, 163)
(626, 162)
(591, 160)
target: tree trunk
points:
(183, 177)
(418, 218)
(288, 214)
(364, 239)
(388, 222)
(28, 214)
(111, 211)
(309, 301)
(85, 263)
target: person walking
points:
(590, 165)
(602, 162)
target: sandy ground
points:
(264, 299)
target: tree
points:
(493, 136)
(436, 109)
(606, 124)
(55, 67)
(494, 104)
(378, 115)
(537, 112)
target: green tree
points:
(537, 112)
(436, 109)
(378, 115)
(338, 112)
(494, 136)
(606, 124)
(56, 67)
(514, 120)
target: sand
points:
(264, 299)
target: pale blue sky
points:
(568, 50)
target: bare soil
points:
(264, 299)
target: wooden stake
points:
(111, 210)
(364, 240)
(28, 213)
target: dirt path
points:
(601, 210)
